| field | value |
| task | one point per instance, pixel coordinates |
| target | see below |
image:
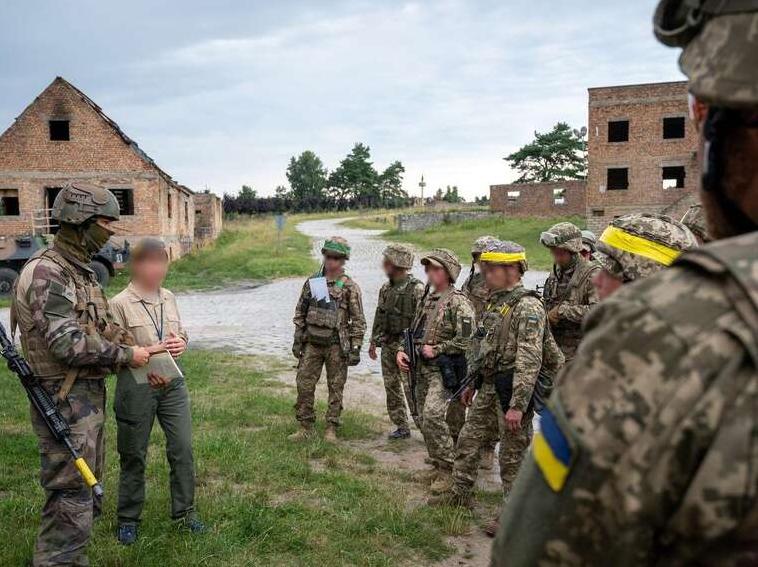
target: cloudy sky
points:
(223, 92)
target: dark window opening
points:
(186, 212)
(598, 212)
(9, 203)
(673, 177)
(125, 198)
(618, 131)
(198, 212)
(559, 197)
(618, 178)
(673, 128)
(59, 131)
(169, 210)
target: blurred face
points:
(333, 264)
(501, 276)
(107, 224)
(437, 276)
(606, 284)
(391, 270)
(149, 271)
(475, 259)
(586, 253)
(561, 257)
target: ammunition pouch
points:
(321, 323)
(542, 390)
(453, 369)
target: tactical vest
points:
(323, 320)
(91, 308)
(399, 307)
(429, 318)
(567, 333)
(477, 293)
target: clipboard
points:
(161, 363)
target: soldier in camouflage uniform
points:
(327, 334)
(512, 345)
(694, 219)
(648, 453)
(71, 343)
(398, 299)
(664, 240)
(443, 325)
(476, 290)
(569, 293)
(589, 244)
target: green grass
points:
(460, 236)
(267, 501)
(248, 249)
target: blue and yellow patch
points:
(553, 451)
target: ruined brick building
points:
(642, 157)
(64, 136)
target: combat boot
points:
(487, 459)
(491, 528)
(400, 433)
(426, 476)
(452, 498)
(330, 434)
(443, 483)
(303, 434)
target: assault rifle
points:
(410, 349)
(47, 409)
(471, 377)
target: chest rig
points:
(399, 307)
(323, 320)
(567, 290)
(428, 324)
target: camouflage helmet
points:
(694, 219)
(589, 241)
(399, 255)
(638, 245)
(482, 243)
(76, 203)
(445, 259)
(336, 246)
(506, 252)
(720, 47)
(563, 235)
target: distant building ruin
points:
(558, 198)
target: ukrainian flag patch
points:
(553, 452)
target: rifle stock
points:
(410, 349)
(47, 409)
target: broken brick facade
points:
(63, 136)
(539, 199)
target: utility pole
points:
(422, 184)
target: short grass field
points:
(268, 501)
(460, 236)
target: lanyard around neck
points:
(158, 330)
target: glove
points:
(553, 316)
(297, 349)
(354, 358)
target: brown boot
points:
(487, 457)
(443, 483)
(330, 434)
(491, 528)
(303, 434)
(452, 498)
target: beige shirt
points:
(146, 317)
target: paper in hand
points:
(162, 364)
(319, 289)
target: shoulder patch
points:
(554, 452)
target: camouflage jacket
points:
(518, 347)
(349, 323)
(65, 321)
(649, 453)
(445, 321)
(571, 293)
(395, 309)
(477, 292)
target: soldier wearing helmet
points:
(589, 243)
(568, 293)
(637, 246)
(513, 345)
(647, 454)
(398, 299)
(442, 327)
(694, 219)
(328, 333)
(71, 342)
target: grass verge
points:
(460, 236)
(267, 501)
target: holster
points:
(453, 369)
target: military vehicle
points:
(16, 250)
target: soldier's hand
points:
(354, 358)
(372, 351)
(140, 356)
(467, 396)
(553, 316)
(427, 351)
(175, 345)
(402, 361)
(513, 419)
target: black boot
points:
(400, 433)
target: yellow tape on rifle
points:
(634, 244)
(85, 471)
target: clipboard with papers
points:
(162, 364)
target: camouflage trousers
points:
(396, 388)
(513, 446)
(313, 359)
(67, 515)
(441, 422)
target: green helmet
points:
(563, 235)
(445, 259)
(336, 246)
(77, 202)
(589, 241)
(506, 252)
(399, 255)
(482, 243)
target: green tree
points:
(558, 155)
(306, 175)
(391, 192)
(451, 195)
(356, 179)
(248, 192)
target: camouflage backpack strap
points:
(583, 272)
(439, 315)
(736, 261)
(507, 309)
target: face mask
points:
(95, 237)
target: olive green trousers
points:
(136, 407)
